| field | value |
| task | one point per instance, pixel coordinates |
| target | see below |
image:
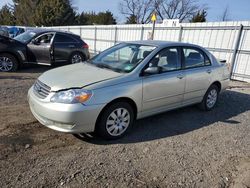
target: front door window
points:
(167, 60)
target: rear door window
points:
(194, 58)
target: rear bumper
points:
(224, 84)
(68, 118)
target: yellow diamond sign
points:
(153, 18)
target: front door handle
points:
(180, 76)
(209, 71)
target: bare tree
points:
(139, 10)
(225, 15)
(177, 9)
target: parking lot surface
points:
(181, 148)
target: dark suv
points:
(39, 46)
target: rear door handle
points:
(180, 76)
(209, 71)
(71, 46)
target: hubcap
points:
(76, 59)
(118, 121)
(5, 64)
(211, 98)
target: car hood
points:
(9, 43)
(76, 76)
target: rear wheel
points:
(8, 63)
(210, 98)
(115, 121)
(76, 57)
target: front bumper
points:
(68, 118)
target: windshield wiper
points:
(102, 65)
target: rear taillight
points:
(85, 45)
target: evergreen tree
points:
(50, 13)
(105, 18)
(54, 13)
(91, 18)
(131, 20)
(82, 19)
(24, 11)
(6, 16)
(199, 17)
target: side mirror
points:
(152, 70)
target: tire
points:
(76, 57)
(8, 63)
(111, 125)
(210, 99)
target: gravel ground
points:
(182, 148)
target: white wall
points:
(218, 37)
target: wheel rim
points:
(5, 64)
(76, 59)
(212, 98)
(118, 121)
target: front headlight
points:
(71, 96)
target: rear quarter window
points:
(61, 38)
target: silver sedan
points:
(129, 81)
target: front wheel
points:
(8, 63)
(115, 121)
(210, 98)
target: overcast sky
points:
(238, 9)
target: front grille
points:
(41, 89)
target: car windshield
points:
(25, 37)
(123, 57)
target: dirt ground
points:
(182, 148)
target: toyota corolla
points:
(128, 81)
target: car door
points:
(40, 48)
(63, 46)
(197, 68)
(165, 89)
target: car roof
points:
(41, 31)
(161, 43)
